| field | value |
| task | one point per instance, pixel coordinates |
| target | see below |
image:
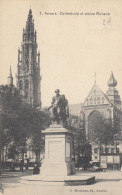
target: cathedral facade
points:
(28, 67)
(101, 108)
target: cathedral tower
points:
(28, 67)
(112, 92)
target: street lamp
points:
(98, 140)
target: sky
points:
(72, 47)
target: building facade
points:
(28, 67)
(101, 119)
(100, 108)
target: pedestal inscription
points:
(55, 151)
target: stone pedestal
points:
(58, 151)
(58, 167)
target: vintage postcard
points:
(60, 97)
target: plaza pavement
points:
(107, 183)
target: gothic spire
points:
(10, 78)
(28, 32)
(112, 81)
(30, 16)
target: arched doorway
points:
(95, 126)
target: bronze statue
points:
(60, 108)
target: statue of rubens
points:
(60, 108)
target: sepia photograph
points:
(60, 97)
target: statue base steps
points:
(72, 180)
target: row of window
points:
(107, 150)
(95, 101)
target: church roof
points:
(112, 81)
(96, 97)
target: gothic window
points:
(87, 102)
(102, 100)
(91, 101)
(26, 88)
(20, 85)
(98, 100)
(94, 101)
(26, 84)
